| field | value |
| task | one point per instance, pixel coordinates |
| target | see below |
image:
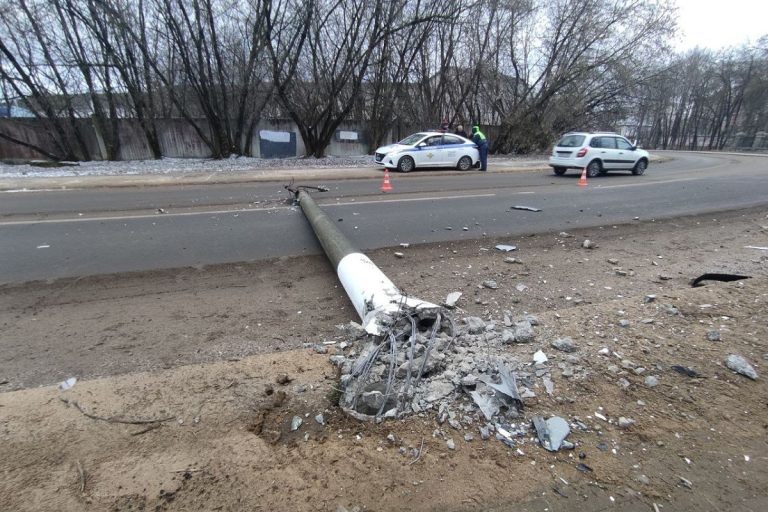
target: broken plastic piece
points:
(487, 404)
(67, 384)
(526, 208)
(717, 277)
(508, 384)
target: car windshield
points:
(412, 139)
(571, 141)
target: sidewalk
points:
(29, 182)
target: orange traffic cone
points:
(386, 186)
(583, 179)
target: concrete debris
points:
(399, 255)
(506, 248)
(713, 335)
(623, 322)
(564, 234)
(475, 324)
(282, 378)
(512, 260)
(524, 332)
(490, 284)
(485, 433)
(650, 298)
(564, 344)
(552, 432)
(521, 287)
(625, 423)
(296, 423)
(451, 445)
(740, 365)
(549, 386)
(588, 244)
(613, 261)
(540, 357)
(452, 299)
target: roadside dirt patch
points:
(230, 445)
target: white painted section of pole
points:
(373, 294)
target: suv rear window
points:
(571, 141)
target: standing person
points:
(481, 140)
(460, 131)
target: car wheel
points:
(640, 167)
(465, 163)
(560, 170)
(406, 164)
(594, 168)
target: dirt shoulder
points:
(201, 349)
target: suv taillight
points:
(581, 153)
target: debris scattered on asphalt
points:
(506, 248)
(588, 244)
(526, 208)
(713, 335)
(564, 344)
(584, 468)
(740, 365)
(320, 419)
(625, 422)
(540, 357)
(282, 378)
(399, 255)
(296, 423)
(491, 284)
(756, 247)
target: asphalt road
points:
(52, 234)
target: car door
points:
(625, 154)
(607, 152)
(428, 154)
(450, 150)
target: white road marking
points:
(640, 184)
(412, 199)
(223, 212)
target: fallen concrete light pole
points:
(377, 300)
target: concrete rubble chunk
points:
(451, 445)
(452, 299)
(551, 432)
(507, 336)
(296, 423)
(713, 335)
(490, 284)
(651, 381)
(564, 344)
(488, 404)
(438, 390)
(625, 422)
(740, 365)
(475, 324)
(588, 244)
(524, 332)
(320, 419)
(624, 322)
(485, 433)
(540, 357)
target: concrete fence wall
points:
(178, 139)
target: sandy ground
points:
(178, 406)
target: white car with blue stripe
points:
(429, 149)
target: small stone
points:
(451, 445)
(564, 344)
(686, 483)
(647, 321)
(485, 433)
(588, 244)
(469, 381)
(626, 422)
(671, 310)
(713, 335)
(452, 299)
(320, 419)
(490, 284)
(624, 383)
(399, 255)
(465, 228)
(320, 349)
(642, 479)
(740, 365)
(621, 273)
(651, 381)
(524, 332)
(664, 277)
(639, 370)
(613, 261)
(512, 260)
(650, 298)
(391, 438)
(521, 287)
(475, 324)
(469, 438)
(531, 319)
(296, 423)
(282, 378)
(624, 322)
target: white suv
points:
(598, 152)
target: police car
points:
(429, 149)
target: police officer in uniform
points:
(481, 141)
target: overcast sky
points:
(718, 23)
